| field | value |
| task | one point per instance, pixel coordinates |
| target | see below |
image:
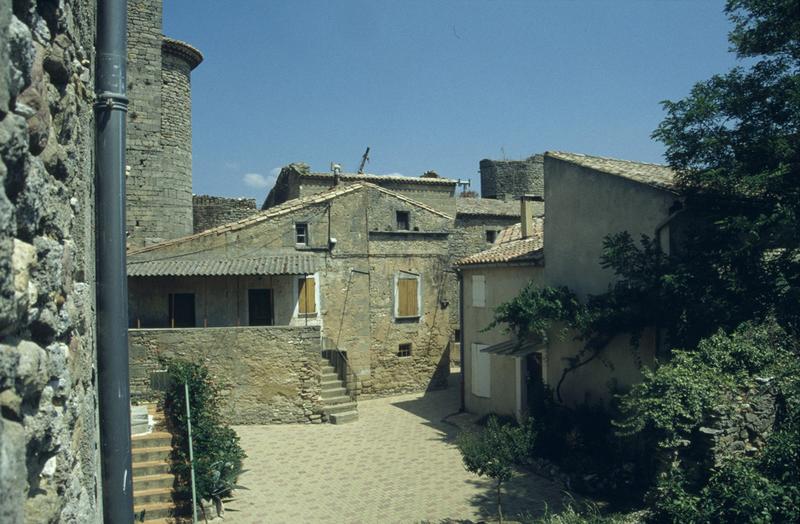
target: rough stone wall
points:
(506, 179)
(211, 211)
(48, 434)
(267, 375)
(159, 147)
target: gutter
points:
(113, 386)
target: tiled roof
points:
(180, 267)
(282, 209)
(511, 247)
(656, 175)
(486, 207)
(379, 179)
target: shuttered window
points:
(407, 296)
(478, 291)
(307, 296)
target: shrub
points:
(217, 454)
(493, 451)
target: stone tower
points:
(507, 179)
(159, 140)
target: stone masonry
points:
(506, 179)
(49, 460)
(267, 375)
(211, 211)
(159, 139)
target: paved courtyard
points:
(397, 463)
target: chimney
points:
(526, 211)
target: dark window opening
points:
(301, 234)
(403, 221)
(181, 310)
(491, 236)
(457, 335)
(259, 307)
(404, 350)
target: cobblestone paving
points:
(397, 463)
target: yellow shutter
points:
(407, 298)
(307, 296)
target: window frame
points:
(297, 233)
(406, 275)
(490, 233)
(296, 292)
(405, 349)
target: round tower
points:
(159, 137)
(510, 179)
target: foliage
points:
(493, 451)
(217, 454)
(575, 513)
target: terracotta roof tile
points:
(486, 207)
(511, 247)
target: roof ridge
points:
(600, 157)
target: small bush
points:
(217, 454)
(493, 451)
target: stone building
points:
(212, 211)
(356, 268)
(508, 179)
(159, 138)
(49, 463)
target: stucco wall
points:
(501, 285)
(267, 375)
(49, 464)
(584, 206)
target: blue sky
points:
(433, 85)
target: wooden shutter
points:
(407, 297)
(307, 298)
(478, 291)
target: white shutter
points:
(478, 291)
(481, 371)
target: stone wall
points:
(506, 179)
(267, 375)
(211, 211)
(159, 139)
(49, 463)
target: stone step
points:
(333, 393)
(159, 510)
(339, 407)
(153, 496)
(332, 383)
(343, 417)
(327, 369)
(155, 467)
(151, 440)
(144, 482)
(159, 453)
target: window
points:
(307, 295)
(181, 310)
(259, 307)
(481, 371)
(491, 235)
(403, 221)
(478, 291)
(406, 295)
(301, 234)
(404, 350)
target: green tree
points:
(493, 451)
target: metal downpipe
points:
(112, 290)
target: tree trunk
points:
(499, 505)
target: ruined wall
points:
(211, 211)
(267, 375)
(506, 179)
(48, 435)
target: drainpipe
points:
(460, 275)
(112, 291)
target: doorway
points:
(259, 307)
(181, 310)
(534, 386)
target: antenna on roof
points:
(464, 183)
(364, 160)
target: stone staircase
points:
(154, 497)
(337, 404)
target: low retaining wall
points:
(267, 375)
